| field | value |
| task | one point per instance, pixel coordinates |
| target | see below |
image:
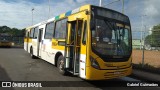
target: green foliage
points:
(154, 38)
(12, 31)
(156, 27)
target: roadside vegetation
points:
(147, 67)
(13, 35)
(12, 31)
(154, 38)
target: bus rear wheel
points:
(60, 65)
(31, 53)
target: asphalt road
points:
(17, 65)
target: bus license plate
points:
(117, 73)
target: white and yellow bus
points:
(92, 42)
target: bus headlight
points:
(94, 63)
(12, 43)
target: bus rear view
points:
(110, 45)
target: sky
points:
(18, 13)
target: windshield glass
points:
(111, 38)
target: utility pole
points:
(32, 15)
(49, 9)
(142, 31)
(100, 3)
(123, 6)
(143, 47)
(112, 2)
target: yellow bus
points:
(6, 40)
(92, 42)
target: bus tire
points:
(60, 65)
(31, 53)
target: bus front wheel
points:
(60, 65)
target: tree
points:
(4, 29)
(154, 38)
(12, 31)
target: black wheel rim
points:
(61, 65)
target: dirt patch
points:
(150, 57)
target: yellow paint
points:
(107, 65)
(5, 43)
(29, 40)
(25, 39)
(62, 15)
(90, 71)
(95, 74)
(85, 7)
(55, 44)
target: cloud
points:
(135, 9)
(18, 13)
(152, 10)
(152, 7)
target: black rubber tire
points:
(60, 65)
(31, 53)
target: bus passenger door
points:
(39, 42)
(73, 45)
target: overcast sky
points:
(17, 13)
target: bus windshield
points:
(111, 38)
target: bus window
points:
(35, 33)
(31, 33)
(84, 33)
(60, 29)
(49, 30)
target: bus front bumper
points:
(2, 44)
(95, 74)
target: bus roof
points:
(61, 15)
(84, 7)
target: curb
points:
(145, 76)
(146, 68)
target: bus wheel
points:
(60, 65)
(31, 53)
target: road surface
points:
(17, 65)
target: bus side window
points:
(60, 29)
(84, 33)
(49, 30)
(35, 33)
(31, 33)
(26, 34)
